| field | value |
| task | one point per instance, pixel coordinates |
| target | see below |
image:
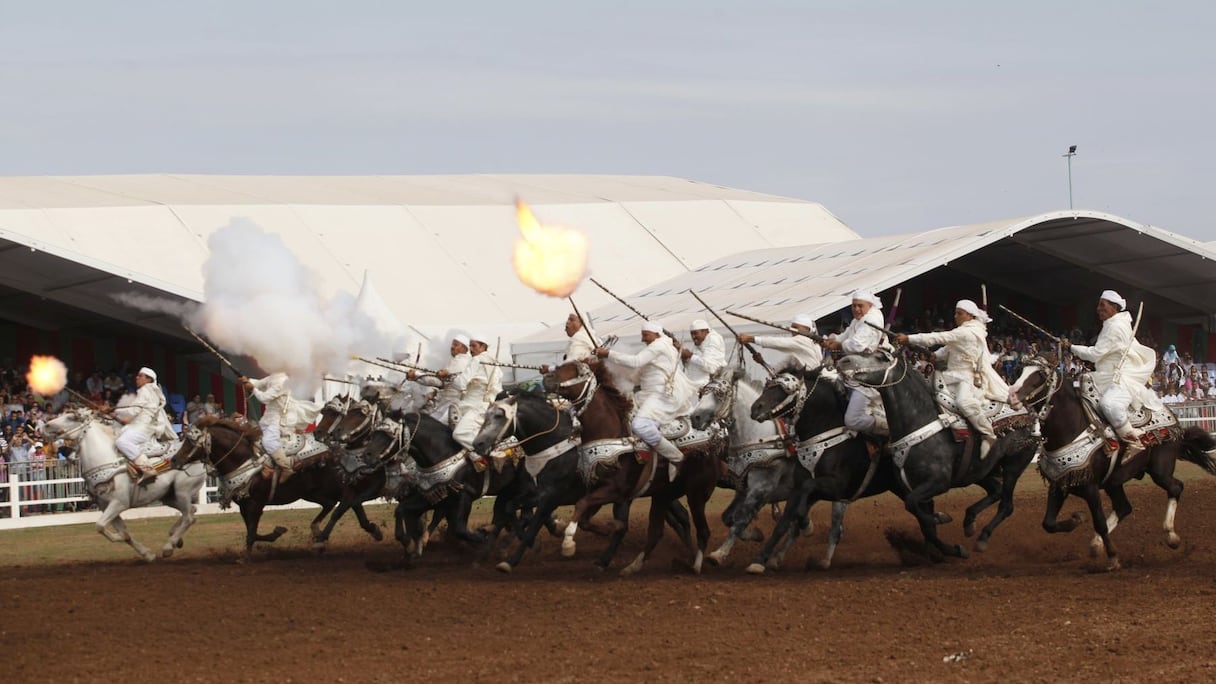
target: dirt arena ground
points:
(1030, 609)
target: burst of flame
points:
(549, 259)
(47, 375)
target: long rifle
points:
(223, 359)
(789, 329)
(1027, 322)
(747, 345)
(629, 306)
(393, 365)
(1118, 375)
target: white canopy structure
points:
(438, 246)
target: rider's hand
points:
(831, 344)
(1065, 343)
(442, 373)
(686, 354)
(757, 358)
(411, 374)
(744, 338)
(544, 368)
(602, 352)
(901, 338)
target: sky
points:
(897, 116)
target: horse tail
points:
(1197, 447)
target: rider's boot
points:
(1131, 438)
(148, 473)
(672, 454)
(986, 446)
(880, 429)
(284, 463)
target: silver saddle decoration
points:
(681, 433)
(1143, 419)
(995, 410)
(591, 455)
(765, 454)
(432, 481)
(301, 445)
(1069, 464)
(899, 448)
(811, 450)
(154, 448)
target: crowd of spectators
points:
(25, 453)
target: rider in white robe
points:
(708, 355)
(144, 419)
(579, 346)
(664, 391)
(968, 374)
(1122, 368)
(280, 412)
(800, 349)
(479, 384)
(448, 396)
(864, 411)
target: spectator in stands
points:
(94, 386)
(113, 387)
(211, 408)
(19, 460)
(194, 410)
(15, 419)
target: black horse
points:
(550, 444)
(934, 464)
(441, 478)
(1043, 387)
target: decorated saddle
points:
(1004, 417)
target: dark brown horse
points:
(228, 448)
(1044, 389)
(605, 416)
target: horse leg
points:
(582, 511)
(322, 537)
(184, 503)
(678, 521)
(919, 502)
(654, 532)
(802, 523)
(1121, 507)
(368, 526)
(1173, 489)
(458, 520)
(1003, 510)
(745, 507)
(620, 516)
(120, 527)
(838, 510)
(697, 500)
(1093, 497)
(414, 529)
(992, 494)
(543, 512)
(315, 526)
(251, 512)
(1055, 501)
(759, 565)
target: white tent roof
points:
(439, 246)
(1043, 256)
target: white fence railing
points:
(37, 494)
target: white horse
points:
(106, 478)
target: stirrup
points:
(146, 477)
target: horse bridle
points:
(1050, 387)
(796, 393)
(201, 439)
(585, 376)
(724, 391)
(895, 360)
(510, 409)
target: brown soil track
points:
(1030, 609)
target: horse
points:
(629, 475)
(756, 463)
(928, 459)
(346, 424)
(438, 476)
(1067, 428)
(109, 482)
(229, 448)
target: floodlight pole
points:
(1072, 152)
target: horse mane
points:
(615, 397)
(249, 430)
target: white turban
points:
(477, 337)
(803, 319)
(698, 324)
(148, 372)
(463, 339)
(1114, 298)
(866, 296)
(970, 307)
(652, 327)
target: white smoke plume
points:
(182, 310)
(260, 301)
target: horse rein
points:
(851, 375)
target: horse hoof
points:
(166, 552)
(981, 545)
(755, 569)
(821, 564)
(969, 529)
(504, 567)
(1113, 565)
(377, 534)
(318, 548)
(715, 558)
(773, 564)
(180, 543)
(1173, 541)
(696, 563)
(961, 552)
(568, 549)
(149, 557)
(1095, 548)
(942, 518)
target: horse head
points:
(195, 446)
(354, 423)
(223, 443)
(570, 379)
(717, 398)
(334, 409)
(69, 424)
(499, 422)
(874, 369)
(1036, 385)
(781, 394)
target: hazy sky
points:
(895, 115)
